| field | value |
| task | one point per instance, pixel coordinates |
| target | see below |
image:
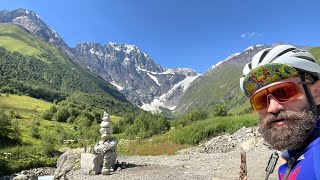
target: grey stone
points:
(91, 163)
(26, 177)
(66, 162)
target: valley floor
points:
(215, 166)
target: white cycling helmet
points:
(284, 58)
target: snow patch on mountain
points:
(160, 101)
(232, 56)
(138, 68)
(92, 51)
(154, 78)
(117, 86)
(251, 47)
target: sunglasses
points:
(281, 91)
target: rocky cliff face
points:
(32, 23)
(135, 74)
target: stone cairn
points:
(102, 158)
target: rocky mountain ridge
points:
(33, 23)
(135, 74)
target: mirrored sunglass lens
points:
(259, 101)
(282, 92)
(285, 92)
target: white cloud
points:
(249, 35)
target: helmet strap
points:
(311, 104)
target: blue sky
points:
(180, 33)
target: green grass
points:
(156, 145)
(180, 138)
(13, 44)
(24, 105)
(115, 119)
(202, 130)
(15, 39)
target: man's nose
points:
(274, 106)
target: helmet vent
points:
(263, 55)
(282, 53)
(307, 58)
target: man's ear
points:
(315, 88)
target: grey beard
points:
(291, 135)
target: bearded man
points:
(283, 86)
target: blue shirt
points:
(307, 166)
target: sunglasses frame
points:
(270, 94)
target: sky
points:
(180, 33)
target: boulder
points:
(91, 164)
(26, 177)
(70, 160)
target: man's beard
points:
(292, 134)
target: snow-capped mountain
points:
(135, 74)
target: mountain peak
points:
(31, 21)
(128, 48)
(9, 15)
(254, 46)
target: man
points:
(283, 86)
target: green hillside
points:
(316, 52)
(33, 67)
(220, 86)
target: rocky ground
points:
(217, 159)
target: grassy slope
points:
(14, 39)
(30, 109)
(220, 86)
(316, 52)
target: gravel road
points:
(215, 166)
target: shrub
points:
(47, 115)
(146, 125)
(8, 135)
(34, 131)
(48, 141)
(61, 115)
(4, 167)
(200, 130)
(191, 117)
(220, 110)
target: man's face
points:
(286, 125)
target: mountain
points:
(29, 65)
(33, 23)
(220, 84)
(135, 74)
